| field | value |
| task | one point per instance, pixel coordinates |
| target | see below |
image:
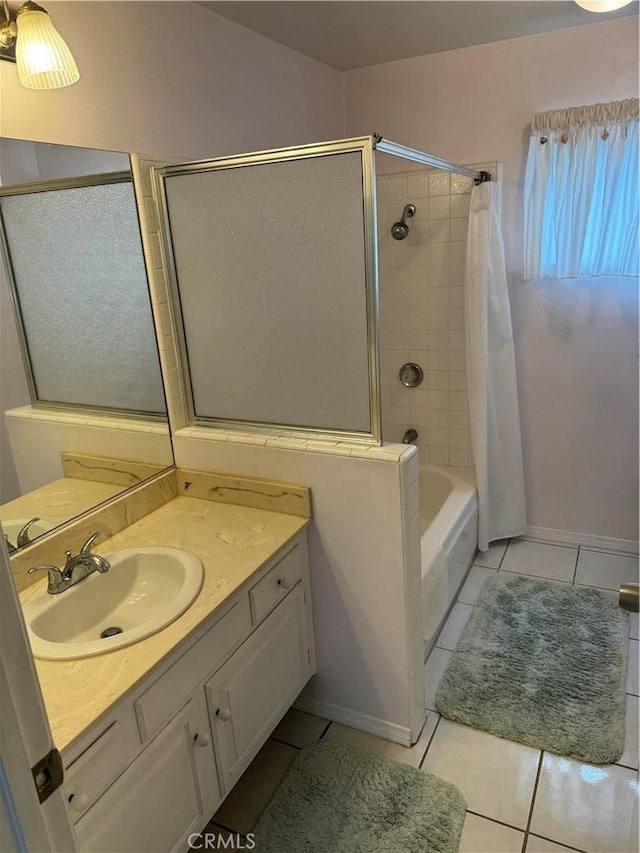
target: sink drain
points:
(110, 632)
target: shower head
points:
(399, 230)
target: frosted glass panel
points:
(81, 282)
(270, 264)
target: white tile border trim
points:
(586, 540)
(371, 452)
(362, 722)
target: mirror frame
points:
(120, 177)
(158, 418)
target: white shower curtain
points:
(493, 392)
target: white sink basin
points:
(144, 591)
(12, 528)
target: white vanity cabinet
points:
(159, 765)
(168, 792)
(247, 696)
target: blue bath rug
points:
(542, 664)
(339, 799)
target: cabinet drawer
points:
(158, 703)
(92, 773)
(276, 584)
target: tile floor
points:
(519, 799)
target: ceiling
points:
(353, 33)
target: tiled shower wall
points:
(422, 312)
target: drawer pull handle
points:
(223, 714)
(285, 583)
(78, 802)
(202, 740)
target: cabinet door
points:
(249, 695)
(168, 792)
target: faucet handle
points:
(23, 536)
(56, 578)
(86, 548)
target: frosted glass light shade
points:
(43, 58)
(602, 5)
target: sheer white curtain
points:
(581, 192)
(493, 392)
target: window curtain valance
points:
(581, 192)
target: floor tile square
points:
(496, 776)
(541, 845)
(607, 571)
(586, 806)
(246, 802)
(433, 671)
(630, 755)
(299, 729)
(632, 668)
(492, 558)
(480, 835)
(370, 743)
(454, 626)
(554, 562)
(474, 583)
(633, 626)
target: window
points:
(581, 192)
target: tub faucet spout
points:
(410, 436)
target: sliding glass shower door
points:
(271, 259)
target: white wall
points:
(366, 611)
(39, 437)
(576, 341)
(174, 79)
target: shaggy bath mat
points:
(338, 799)
(542, 664)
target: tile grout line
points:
(433, 734)
(285, 742)
(575, 568)
(504, 554)
(625, 766)
(533, 802)
(226, 828)
(495, 820)
(325, 730)
(553, 841)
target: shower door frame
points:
(365, 146)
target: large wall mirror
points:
(81, 394)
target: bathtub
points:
(448, 540)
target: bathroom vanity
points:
(154, 735)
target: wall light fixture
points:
(602, 5)
(28, 38)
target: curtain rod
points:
(396, 150)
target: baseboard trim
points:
(371, 725)
(587, 540)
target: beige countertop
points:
(233, 542)
(60, 500)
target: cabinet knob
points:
(78, 802)
(202, 740)
(223, 714)
(285, 583)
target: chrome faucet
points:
(410, 436)
(23, 536)
(75, 568)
